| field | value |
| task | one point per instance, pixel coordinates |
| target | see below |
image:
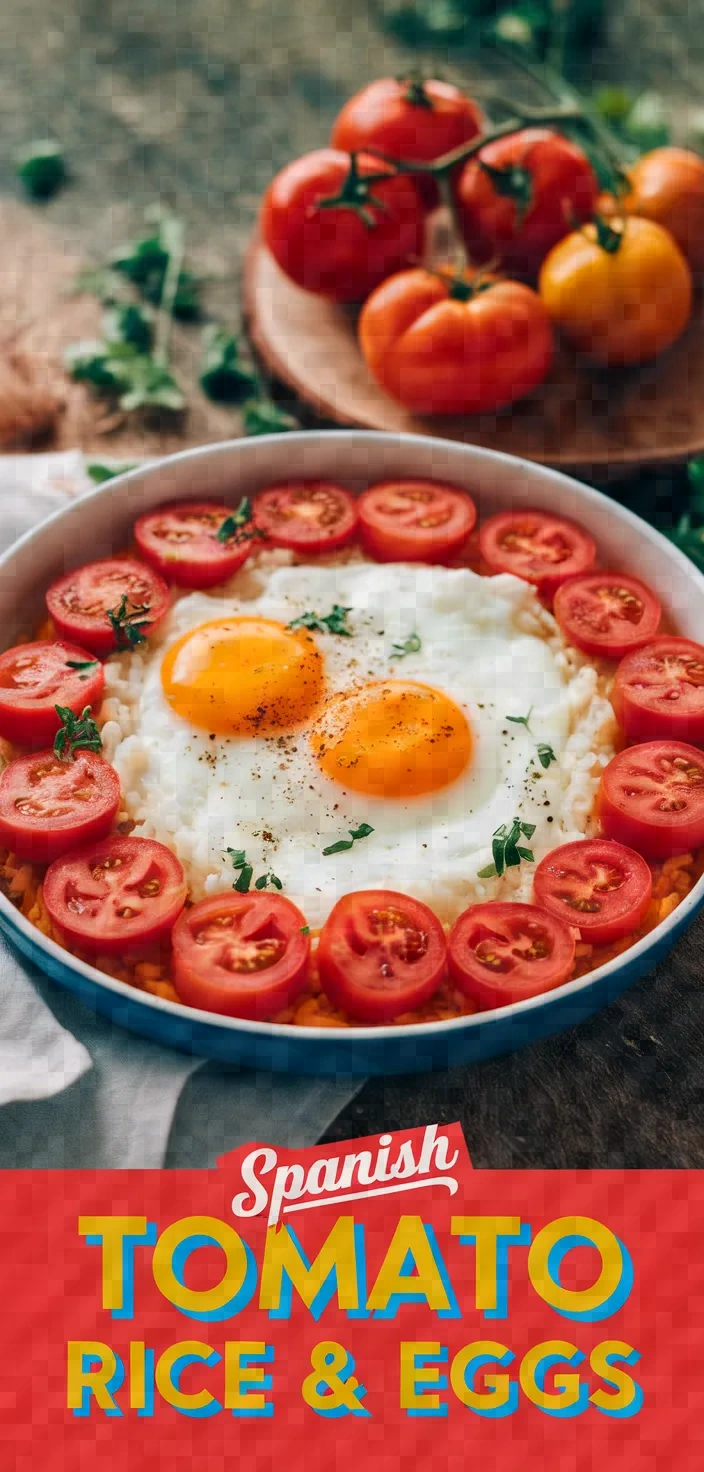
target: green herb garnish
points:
(238, 527)
(127, 623)
(344, 843)
(266, 879)
(81, 664)
(42, 169)
(246, 871)
(127, 322)
(331, 623)
(77, 733)
(411, 645)
(546, 754)
(100, 473)
(262, 416)
(506, 850)
(521, 720)
(145, 262)
(223, 376)
(120, 370)
(304, 929)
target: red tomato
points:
(182, 542)
(78, 602)
(607, 613)
(417, 121)
(333, 249)
(502, 953)
(307, 516)
(455, 346)
(651, 797)
(380, 954)
(35, 678)
(659, 691)
(520, 195)
(244, 955)
(48, 806)
(119, 895)
(542, 549)
(415, 520)
(598, 885)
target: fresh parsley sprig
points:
(331, 623)
(76, 733)
(238, 527)
(127, 623)
(411, 645)
(343, 844)
(506, 849)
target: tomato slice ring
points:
(607, 613)
(306, 516)
(380, 954)
(79, 602)
(542, 549)
(658, 692)
(181, 541)
(415, 520)
(651, 798)
(600, 886)
(48, 806)
(242, 955)
(123, 894)
(500, 953)
(35, 678)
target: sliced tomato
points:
(244, 955)
(600, 886)
(542, 549)
(659, 691)
(651, 797)
(35, 678)
(607, 613)
(119, 895)
(499, 953)
(380, 954)
(306, 516)
(79, 602)
(48, 806)
(186, 543)
(415, 520)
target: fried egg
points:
(416, 707)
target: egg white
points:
(485, 642)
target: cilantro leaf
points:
(76, 733)
(223, 377)
(505, 848)
(145, 263)
(126, 322)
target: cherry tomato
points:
(417, 121)
(79, 602)
(48, 806)
(308, 516)
(35, 678)
(520, 195)
(607, 613)
(667, 186)
(542, 549)
(501, 953)
(600, 886)
(244, 955)
(415, 520)
(119, 895)
(380, 954)
(342, 250)
(462, 346)
(621, 297)
(183, 543)
(658, 691)
(651, 797)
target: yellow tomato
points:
(667, 186)
(621, 296)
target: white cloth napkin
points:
(77, 1091)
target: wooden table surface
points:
(196, 104)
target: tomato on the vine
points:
(464, 345)
(620, 293)
(520, 195)
(339, 224)
(667, 186)
(409, 119)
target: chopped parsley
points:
(246, 873)
(127, 623)
(82, 664)
(411, 645)
(304, 929)
(344, 843)
(521, 720)
(331, 623)
(506, 849)
(77, 733)
(238, 527)
(546, 754)
(266, 879)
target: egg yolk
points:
(243, 676)
(393, 739)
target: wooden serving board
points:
(581, 419)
